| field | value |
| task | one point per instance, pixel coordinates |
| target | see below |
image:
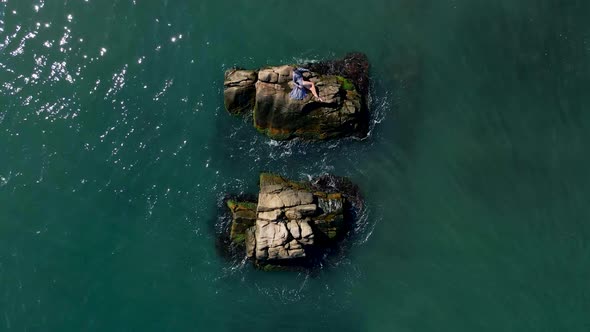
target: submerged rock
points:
(342, 85)
(293, 222)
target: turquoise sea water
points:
(116, 152)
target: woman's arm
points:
(296, 77)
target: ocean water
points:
(116, 153)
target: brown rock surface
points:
(342, 84)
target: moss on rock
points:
(243, 217)
(239, 206)
(345, 83)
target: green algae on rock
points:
(243, 217)
(292, 222)
(342, 85)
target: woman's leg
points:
(311, 87)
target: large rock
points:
(342, 84)
(291, 222)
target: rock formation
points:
(342, 84)
(292, 221)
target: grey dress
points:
(299, 92)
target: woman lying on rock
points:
(301, 86)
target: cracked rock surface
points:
(290, 222)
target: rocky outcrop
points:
(342, 85)
(292, 221)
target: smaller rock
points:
(240, 90)
(349, 107)
(293, 214)
(273, 253)
(293, 227)
(278, 253)
(307, 236)
(330, 92)
(243, 216)
(283, 253)
(280, 235)
(288, 218)
(294, 245)
(303, 210)
(239, 77)
(284, 71)
(272, 188)
(268, 76)
(269, 201)
(306, 230)
(296, 253)
(250, 242)
(295, 197)
(265, 234)
(307, 241)
(261, 253)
